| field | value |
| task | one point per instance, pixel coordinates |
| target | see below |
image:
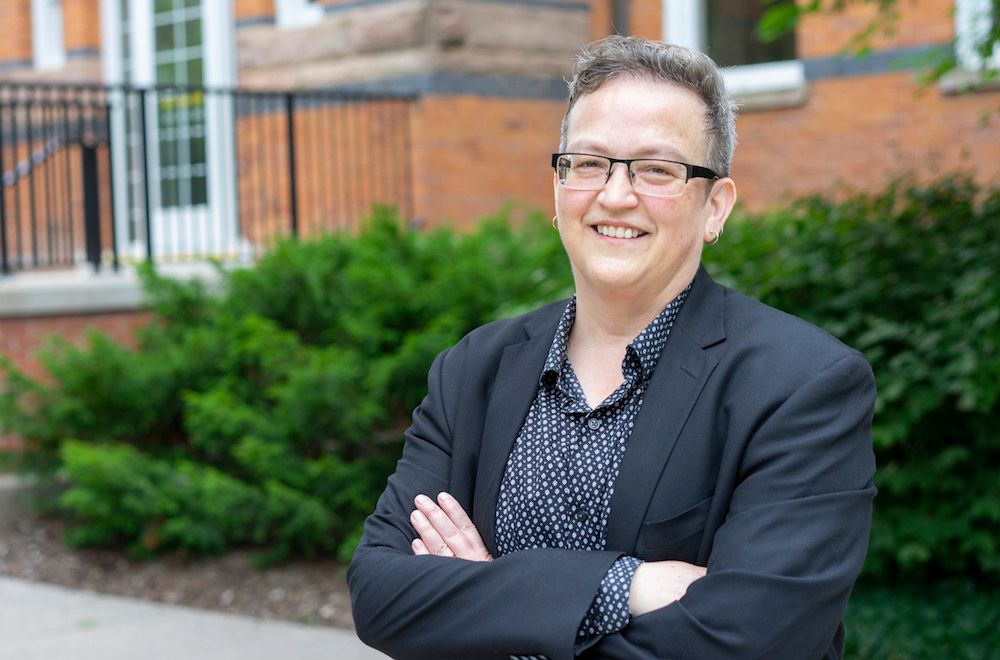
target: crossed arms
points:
(778, 573)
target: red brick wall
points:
(857, 133)
(20, 338)
(646, 18)
(920, 22)
(253, 8)
(81, 24)
(15, 30)
(472, 154)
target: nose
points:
(618, 187)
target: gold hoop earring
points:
(715, 237)
(555, 222)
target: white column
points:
(684, 23)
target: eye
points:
(658, 170)
(589, 163)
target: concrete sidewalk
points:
(46, 621)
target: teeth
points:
(618, 232)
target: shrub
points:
(911, 278)
(955, 618)
(269, 415)
(283, 399)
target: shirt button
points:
(581, 515)
(593, 423)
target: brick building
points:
(482, 85)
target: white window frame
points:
(972, 24)
(291, 14)
(220, 231)
(47, 35)
(685, 23)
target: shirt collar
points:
(646, 347)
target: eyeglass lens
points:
(653, 177)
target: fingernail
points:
(423, 499)
(445, 496)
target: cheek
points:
(573, 204)
(672, 216)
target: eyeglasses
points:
(649, 176)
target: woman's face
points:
(637, 118)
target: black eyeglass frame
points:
(693, 171)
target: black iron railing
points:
(100, 174)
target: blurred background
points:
(234, 234)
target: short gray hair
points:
(599, 62)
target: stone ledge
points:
(83, 291)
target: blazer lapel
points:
(676, 383)
(515, 388)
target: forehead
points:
(638, 116)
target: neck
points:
(615, 317)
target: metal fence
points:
(100, 175)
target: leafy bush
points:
(952, 619)
(911, 278)
(271, 414)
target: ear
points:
(719, 205)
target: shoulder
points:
(775, 346)
(486, 343)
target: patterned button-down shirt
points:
(560, 476)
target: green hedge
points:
(270, 415)
(953, 619)
(911, 278)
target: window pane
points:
(164, 37)
(166, 73)
(731, 33)
(199, 190)
(168, 153)
(168, 193)
(194, 73)
(197, 150)
(193, 33)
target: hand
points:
(446, 530)
(656, 584)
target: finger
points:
(419, 548)
(465, 525)
(445, 527)
(430, 537)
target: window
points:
(974, 20)
(730, 34)
(725, 30)
(179, 58)
(49, 52)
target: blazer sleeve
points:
(524, 603)
(794, 540)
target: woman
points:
(660, 467)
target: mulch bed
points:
(311, 592)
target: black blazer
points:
(751, 454)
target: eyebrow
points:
(663, 153)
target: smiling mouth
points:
(618, 232)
